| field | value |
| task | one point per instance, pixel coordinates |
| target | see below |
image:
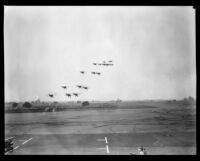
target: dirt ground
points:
(162, 128)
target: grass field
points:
(161, 127)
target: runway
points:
(97, 144)
(102, 132)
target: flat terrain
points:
(162, 128)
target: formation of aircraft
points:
(109, 63)
(96, 73)
(82, 72)
(104, 63)
(84, 87)
(71, 94)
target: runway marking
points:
(107, 149)
(27, 141)
(106, 140)
(16, 147)
(9, 138)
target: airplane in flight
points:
(82, 72)
(85, 87)
(79, 86)
(96, 73)
(64, 87)
(68, 94)
(51, 95)
(106, 64)
(76, 94)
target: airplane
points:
(64, 87)
(75, 94)
(96, 73)
(85, 87)
(51, 95)
(108, 64)
(82, 72)
(68, 95)
(79, 86)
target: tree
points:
(185, 100)
(27, 104)
(14, 104)
(191, 100)
(85, 103)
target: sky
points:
(152, 49)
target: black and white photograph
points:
(99, 80)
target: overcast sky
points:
(153, 50)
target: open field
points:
(162, 128)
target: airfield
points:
(163, 128)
